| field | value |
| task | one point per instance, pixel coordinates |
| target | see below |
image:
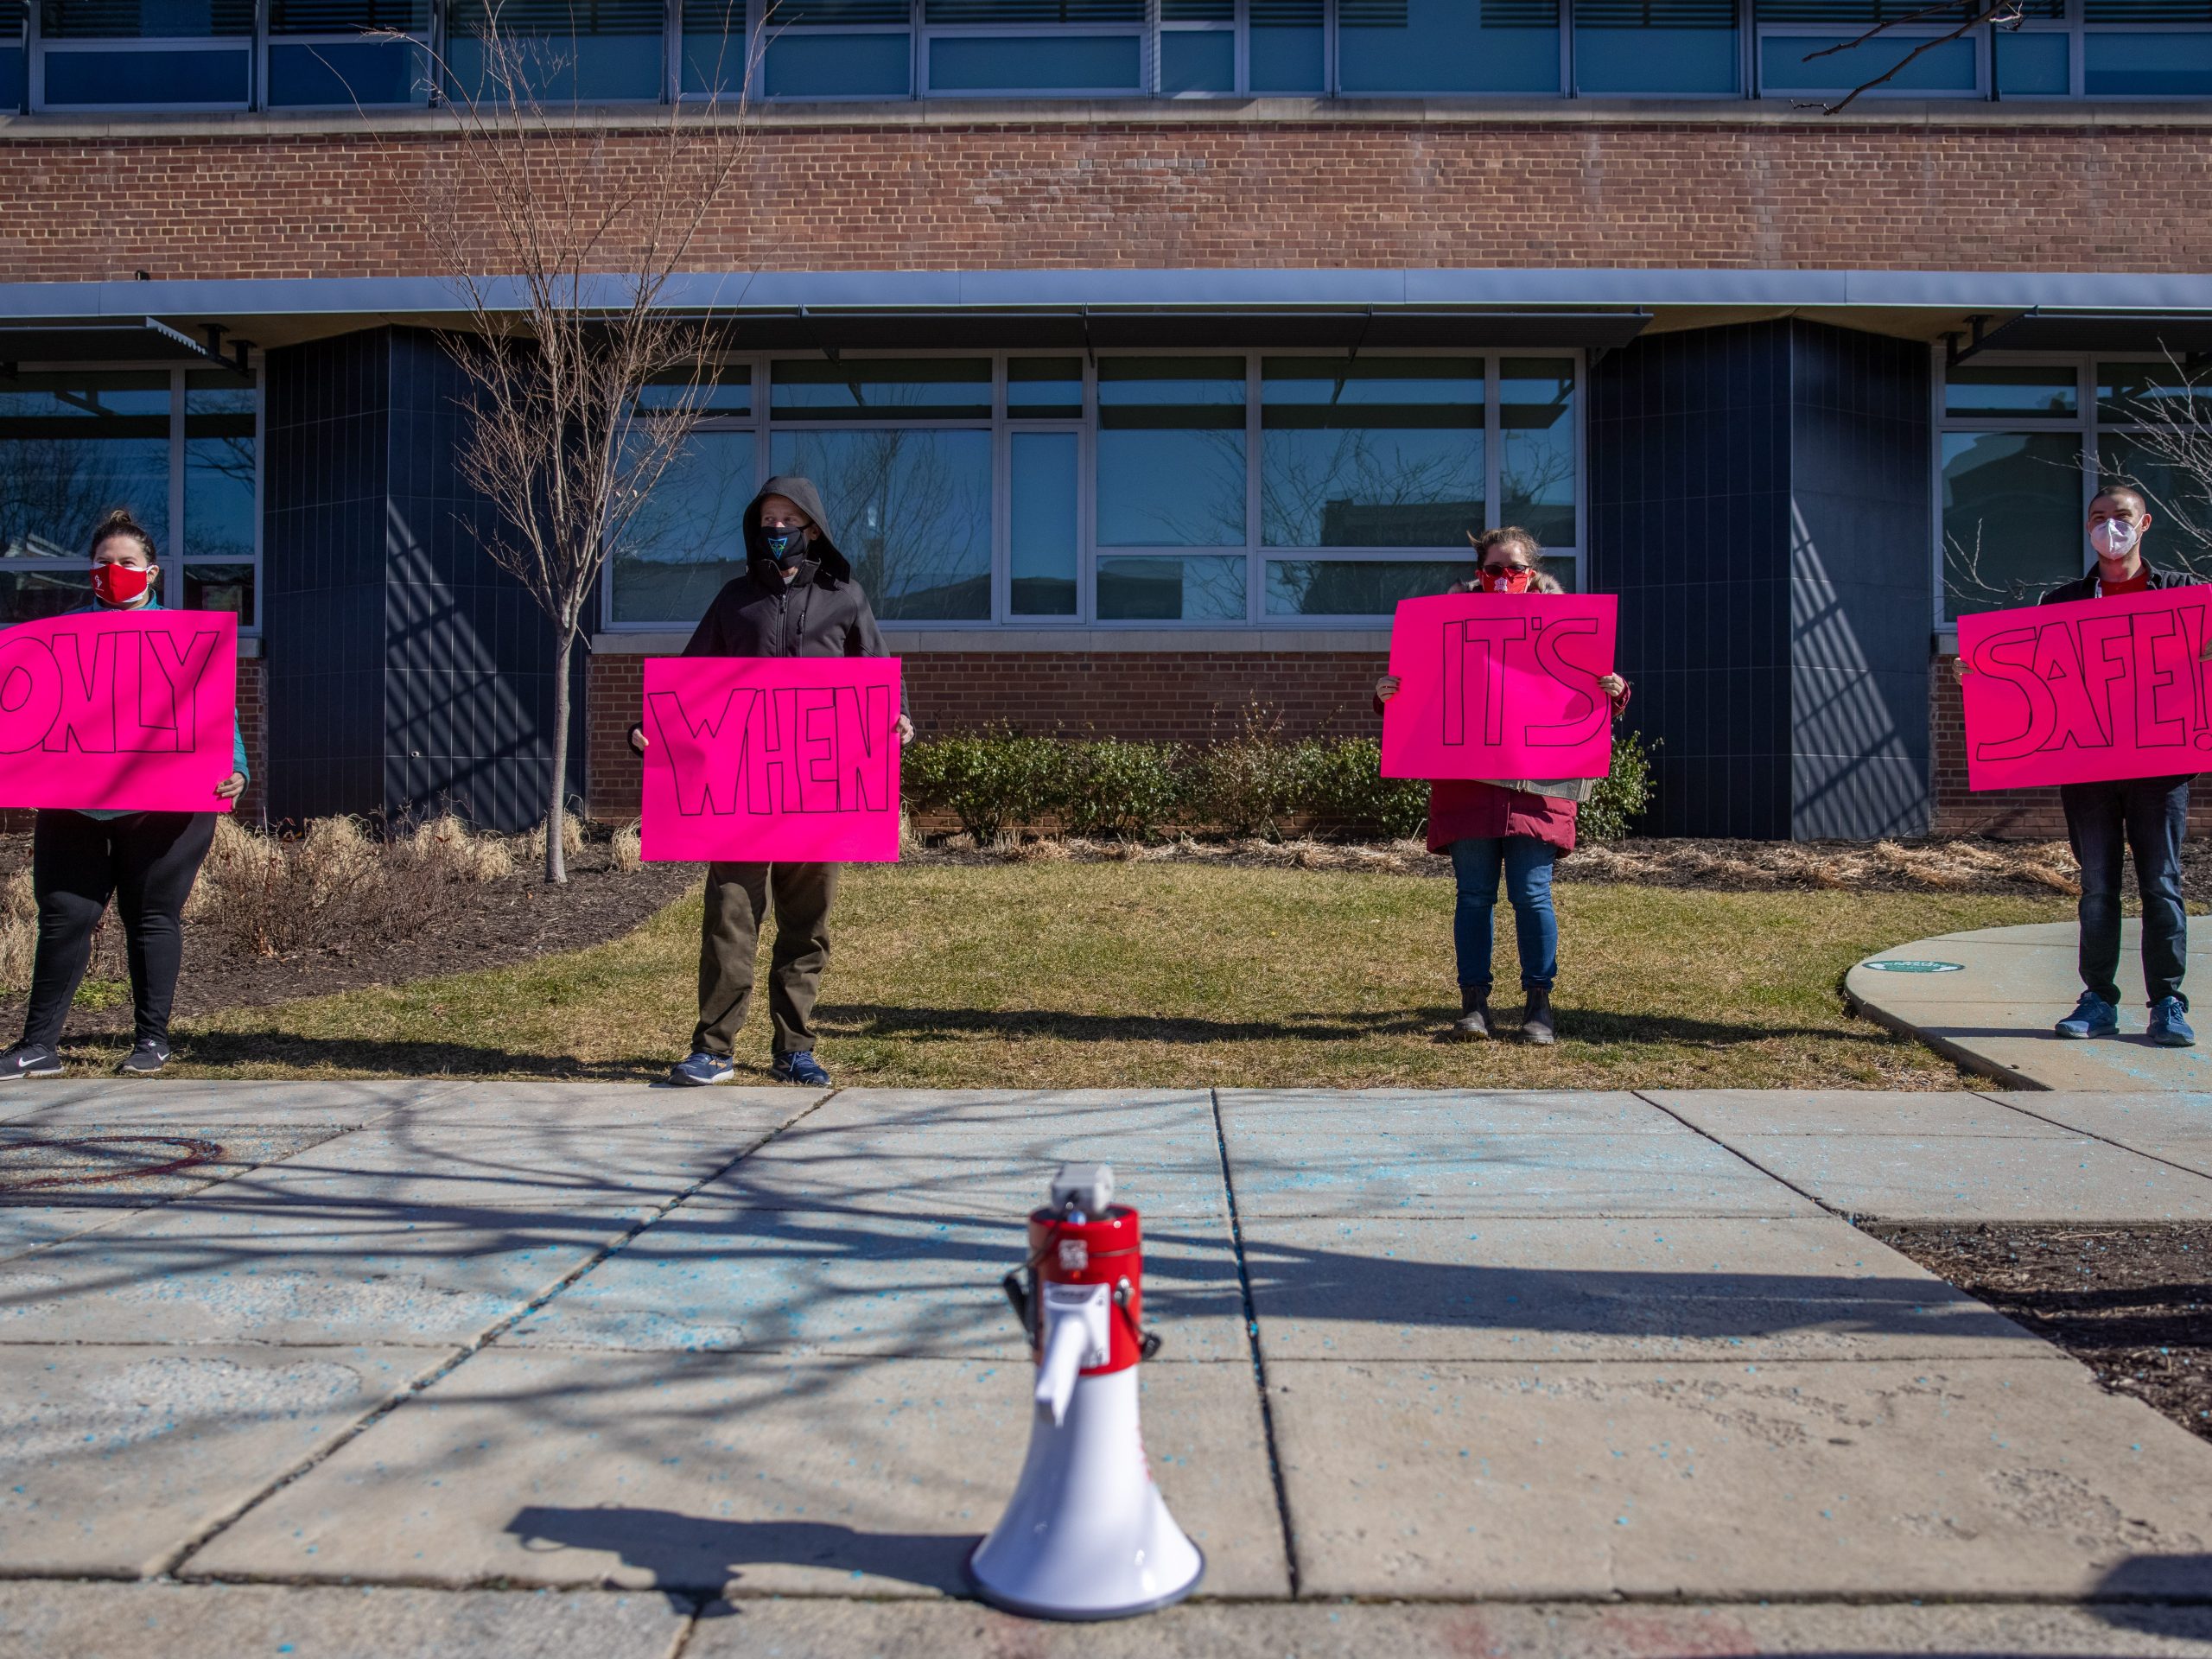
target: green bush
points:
(1622, 796)
(990, 781)
(1114, 789)
(997, 781)
(1343, 791)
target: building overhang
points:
(1346, 309)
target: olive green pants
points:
(737, 899)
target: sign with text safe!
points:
(2087, 691)
(1500, 685)
(118, 711)
(771, 758)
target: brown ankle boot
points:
(1473, 1023)
(1536, 1023)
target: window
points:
(808, 48)
(174, 447)
(117, 54)
(1227, 489)
(1805, 50)
(15, 55)
(570, 51)
(318, 58)
(1679, 46)
(2146, 49)
(1033, 46)
(1448, 45)
(2022, 446)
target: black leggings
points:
(146, 861)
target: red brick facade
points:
(1161, 696)
(1766, 190)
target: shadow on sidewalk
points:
(690, 1557)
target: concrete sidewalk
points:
(1990, 997)
(615, 1371)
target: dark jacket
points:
(821, 612)
(2085, 586)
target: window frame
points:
(175, 557)
(1566, 560)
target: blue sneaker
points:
(2169, 1027)
(801, 1067)
(702, 1068)
(2092, 1017)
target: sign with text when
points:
(769, 759)
(1500, 685)
(120, 711)
(2088, 691)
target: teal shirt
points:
(238, 738)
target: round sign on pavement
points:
(1910, 965)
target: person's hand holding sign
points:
(233, 786)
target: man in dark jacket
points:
(797, 598)
(2148, 815)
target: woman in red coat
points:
(1513, 828)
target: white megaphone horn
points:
(1087, 1534)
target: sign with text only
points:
(1500, 685)
(772, 760)
(118, 711)
(2088, 691)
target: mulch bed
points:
(489, 924)
(2133, 1303)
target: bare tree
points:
(559, 237)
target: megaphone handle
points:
(1149, 1342)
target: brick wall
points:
(1162, 696)
(269, 200)
(253, 726)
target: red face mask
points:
(120, 584)
(1513, 581)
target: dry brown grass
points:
(18, 931)
(625, 848)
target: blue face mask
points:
(784, 544)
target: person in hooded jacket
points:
(145, 862)
(797, 598)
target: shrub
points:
(1120, 790)
(1248, 785)
(991, 781)
(445, 846)
(1343, 789)
(572, 838)
(1622, 797)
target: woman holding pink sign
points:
(145, 862)
(1514, 828)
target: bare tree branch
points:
(1997, 14)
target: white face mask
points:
(2113, 539)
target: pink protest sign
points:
(1500, 685)
(2087, 691)
(766, 759)
(120, 711)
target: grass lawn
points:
(1068, 974)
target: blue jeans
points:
(2150, 816)
(1527, 863)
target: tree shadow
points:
(693, 1559)
(428, 1060)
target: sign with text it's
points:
(1500, 685)
(120, 711)
(2092, 690)
(766, 759)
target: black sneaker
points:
(148, 1056)
(30, 1060)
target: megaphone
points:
(1086, 1535)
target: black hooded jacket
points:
(820, 612)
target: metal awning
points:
(2183, 333)
(142, 339)
(1367, 328)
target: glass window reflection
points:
(688, 539)
(1170, 452)
(910, 508)
(1537, 444)
(2012, 517)
(1043, 509)
(1376, 452)
(1205, 588)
